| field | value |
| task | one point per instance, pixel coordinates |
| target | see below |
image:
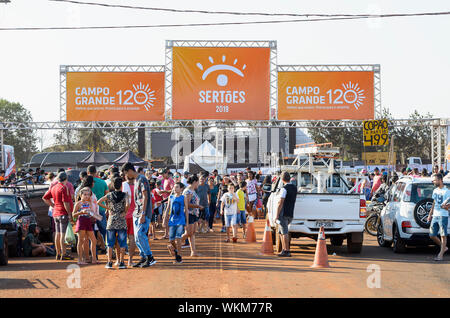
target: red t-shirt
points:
(167, 186)
(59, 194)
(132, 204)
(157, 197)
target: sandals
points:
(66, 257)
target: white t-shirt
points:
(439, 197)
(283, 193)
(126, 188)
(184, 181)
(230, 202)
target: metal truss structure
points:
(438, 141)
(171, 124)
(64, 69)
(375, 68)
(233, 44)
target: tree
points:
(123, 139)
(409, 141)
(23, 140)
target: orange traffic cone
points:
(251, 233)
(267, 245)
(321, 256)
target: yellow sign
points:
(377, 158)
(375, 133)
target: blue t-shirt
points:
(177, 214)
(439, 197)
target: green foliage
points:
(100, 140)
(409, 141)
(23, 141)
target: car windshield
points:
(422, 191)
(8, 204)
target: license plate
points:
(325, 224)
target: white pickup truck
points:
(325, 198)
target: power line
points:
(224, 23)
(207, 11)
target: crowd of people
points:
(119, 210)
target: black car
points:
(15, 217)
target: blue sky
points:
(413, 52)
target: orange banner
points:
(115, 96)
(325, 95)
(221, 83)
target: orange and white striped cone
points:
(267, 245)
(321, 256)
(251, 233)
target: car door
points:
(395, 209)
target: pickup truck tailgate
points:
(325, 206)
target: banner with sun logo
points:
(115, 96)
(221, 83)
(326, 95)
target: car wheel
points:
(371, 224)
(380, 237)
(421, 212)
(4, 252)
(336, 241)
(399, 243)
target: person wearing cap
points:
(61, 212)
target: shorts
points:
(241, 217)
(61, 223)
(284, 225)
(439, 225)
(192, 218)
(154, 216)
(121, 238)
(130, 227)
(231, 220)
(176, 232)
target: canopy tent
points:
(94, 158)
(129, 156)
(205, 158)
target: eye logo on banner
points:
(115, 96)
(222, 79)
(221, 83)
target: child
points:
(32, 246)
(179, 215)
(156, 203)
(117, 207)
(229, 211)
(83, 211)
(241, 216)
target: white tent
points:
(205, 157)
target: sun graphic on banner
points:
(353, 94)
(222, 79)
(143, 95)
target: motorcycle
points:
(374, 211)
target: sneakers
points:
(141, 261)
(122, 265)
(223, 230)
(284, 254)
(178, 259)
(185, 245)
(109, 265)
(149, 262)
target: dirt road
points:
(238, 270)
